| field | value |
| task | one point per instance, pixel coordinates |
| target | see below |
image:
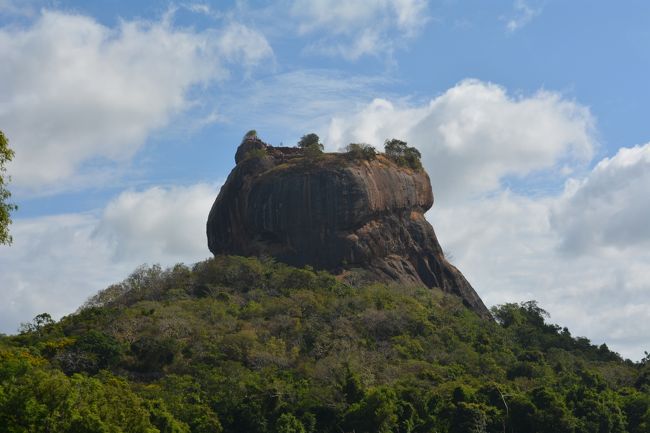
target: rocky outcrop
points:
(333, 213)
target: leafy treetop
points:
(310, 141)
(361, 151)
(6, 155)
(402, 154)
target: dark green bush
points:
(361, 151)
(310, 141)
(402, 154)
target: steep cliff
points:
(333, 212)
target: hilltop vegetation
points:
(245, 345)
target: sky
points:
(531, 117)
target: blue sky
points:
(530, 115)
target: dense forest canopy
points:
(239, 344)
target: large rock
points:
(333, 213)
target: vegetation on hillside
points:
(6, 155)
(245, 345)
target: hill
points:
(238, 344)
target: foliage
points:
(6, 155)
(361, 151)
(402, 154)
(310, 141)
(41, 323)
(250, 135)
(238, 344)
(40, 399)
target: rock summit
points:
(333, 212)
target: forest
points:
(235, 344)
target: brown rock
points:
(333, 213)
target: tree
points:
(361, 151)
(403, 155)
(287, 423)
(6, 155)
(310, 141)
(38, 325)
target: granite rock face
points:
(333, 213)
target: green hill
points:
(242, 345)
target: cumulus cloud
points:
(76, 94)
(508, 249)
(475, 134)
(53, 266)
(57, 262)
(355, 29)
(244, 45)
(159, 224)
(581, 251)
(610, 208)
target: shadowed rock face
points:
(333, 213)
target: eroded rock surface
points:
(333, 213)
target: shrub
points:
(151, 354)
(313, 152)
(287, 423)
(310, 141)
(361, 151)
(402, 154)
(104, 347)
(311, 145)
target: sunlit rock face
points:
(333, 213)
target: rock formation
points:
(333, 212)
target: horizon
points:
(125, 118)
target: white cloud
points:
(76, 94)
(475, 134)
(508, 249)
(610, 208)
(158, 224)
(18, 7)
(582, 252)
(355, 29)
(524, 12)
(57, 262)
(244, 45)
(202, 8)
(53, 266)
